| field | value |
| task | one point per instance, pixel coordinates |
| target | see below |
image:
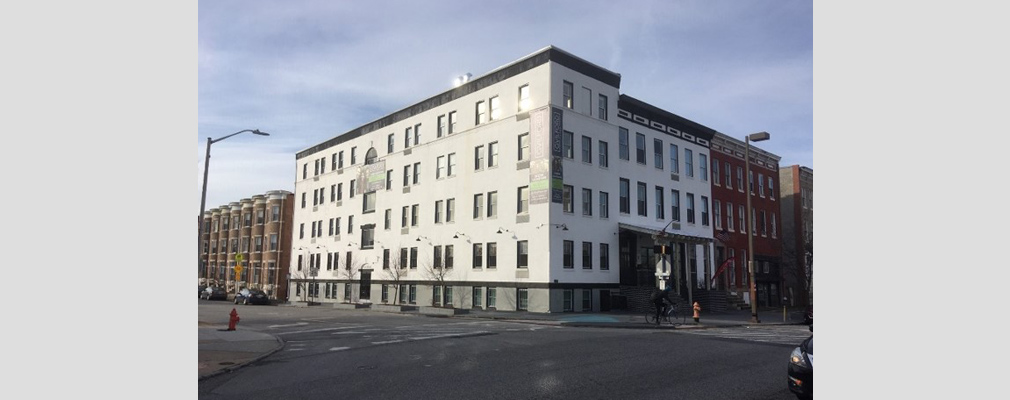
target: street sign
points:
(238, 257)
(313, 272)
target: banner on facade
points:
(540, 150)
(557, 175)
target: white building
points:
(536, 186)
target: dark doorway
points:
(604, 300)
(366, 286)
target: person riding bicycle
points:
(660, 298)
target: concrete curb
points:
(280, 345)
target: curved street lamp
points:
(754, 137)
(203, 195)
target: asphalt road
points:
(364, 355)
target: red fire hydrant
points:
(697, 310)
(233, 320)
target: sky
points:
(308, 71)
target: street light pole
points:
(756, 137)
(203, 195)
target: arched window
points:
(371, 156)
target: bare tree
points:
(435, 271)
(396, 273)
(302, 288)
(350, 269)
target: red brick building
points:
(730, 220)
(258, 229)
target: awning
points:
(671, 236)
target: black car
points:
(808, 315)
(252, 296)
(214, 293)
(801, 369)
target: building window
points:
(690, 208)
(602, 107)
(689, 162)
(764, 225)
(417, 134)
(413, 258)
(625, 196)
(660, 208)
(741, 218)
(439, 167)
(717, 213)
(491, 297)
(449, 256)
(640, 148)
(478, 297)
(523, 203)
(524, 146)
(368, 201)
(703, 166)
(390, 140)
(414, 211)
(569, 248)
(675, 205)
(403, 217)
(436, 295)
(604, 205)
(492, 204)
(524, 97)
(522, 299)
(478, 255)
(739, 179)
(566, 199)
(367, 236)
(704, 211)
(642, 200)
(623, 144)
(452, 122)
(657, 153)
(387, 219)
(478, 158)
(569, 90)
(587, 202)
(771, 190)
(437, 257)
(715, 173)
(761, 185)
(407, 134)
(604, 256)
(478, 206)
(603, 154)
(522, 254)
(495, 108)
(481, 113)
(587, 150)
(440, 130)
(492, 154)
(403, 258)
(729, 217)
(567, 145)
(438, 211)
(451, 164)
(728, 175)
(587, 255)
(492, 255)
(417, 173)
(450, 210)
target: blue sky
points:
(306, 71)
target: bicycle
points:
(670, 316)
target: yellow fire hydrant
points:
(697, 310)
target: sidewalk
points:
(222, 351)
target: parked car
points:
(801, 369)
(200, 291)
(252, 296)
(214, 293)
(808, 315)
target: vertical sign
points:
(540, 156)
(557, 175)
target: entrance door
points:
(366, 286)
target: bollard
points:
(233, 320)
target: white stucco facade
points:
(437, 213)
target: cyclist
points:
(659, 299)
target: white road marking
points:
(321, 330)
(285, 326)
(339, 348)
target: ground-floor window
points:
(413, 294)
(436, 296)
(587, 300)
(347, 292)
(448, 296)
(522, 299)
(385, 293)
(478, 295)
(568, 293)
(491, 297)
